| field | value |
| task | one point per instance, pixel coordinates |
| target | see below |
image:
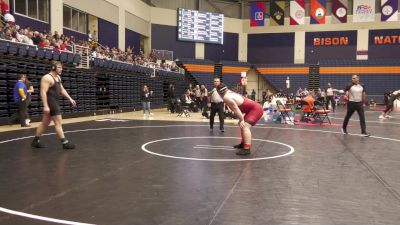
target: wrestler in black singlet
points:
(53, 96)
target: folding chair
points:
(320, 113)
(283, 110)
(182, 108)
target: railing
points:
(85, 56)
(163, 54)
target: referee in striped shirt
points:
(217, 105)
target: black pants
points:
(351, 108)
(171, 104)
(217, 107)
(330, 99)
(21, 113)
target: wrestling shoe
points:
(238, 146)
(243, 152)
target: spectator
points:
(4, 7)
(253, 95)
(171, 98)
(30, 90)
(146, 95)
(20, 96)
(27, 39)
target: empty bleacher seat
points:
(56, 55)
(77, 59)
(3, 47)
(64, 57)
(32, 51)
(49, 54)
(13, 48)
(23, 50)
(70, 57)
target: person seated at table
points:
(308, 104)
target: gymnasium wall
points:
(165, 37)
(386, 45)
(108, 33)
(227, 51)
(330, 45)
(270, 48)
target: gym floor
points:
(134, 170)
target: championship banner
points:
(257, 14)
(277, 13)
(389, 10)
(339, 11)
(297, 12)
(364, 11)
(318, 12)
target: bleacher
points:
(107, 85)
(277, 75)
(378, 76)
(201, 71)
(32, 51)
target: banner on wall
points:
(318, 12)
(364, 11)
(277, 13)
(297, 12)
(339, 11)
(389, 10)
(257, 14)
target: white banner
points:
(297, 12)
(364, 11)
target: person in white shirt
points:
(389, 107)
(356, 94)
(330, 97)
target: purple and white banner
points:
(389, 10)
(339, 11)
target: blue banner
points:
(257, 14)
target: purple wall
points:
(132, 39)
(270, 48)
(78, 36)
(36, 25)
(227, 51)
(23, 21)
(388, 51)
(108, 33)
(315, 54)
(165, 38)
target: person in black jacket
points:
(145, 97)
(171, 98)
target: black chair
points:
(182, 108)
(284, 112)
(320, 113)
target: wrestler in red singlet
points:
(241, 105)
